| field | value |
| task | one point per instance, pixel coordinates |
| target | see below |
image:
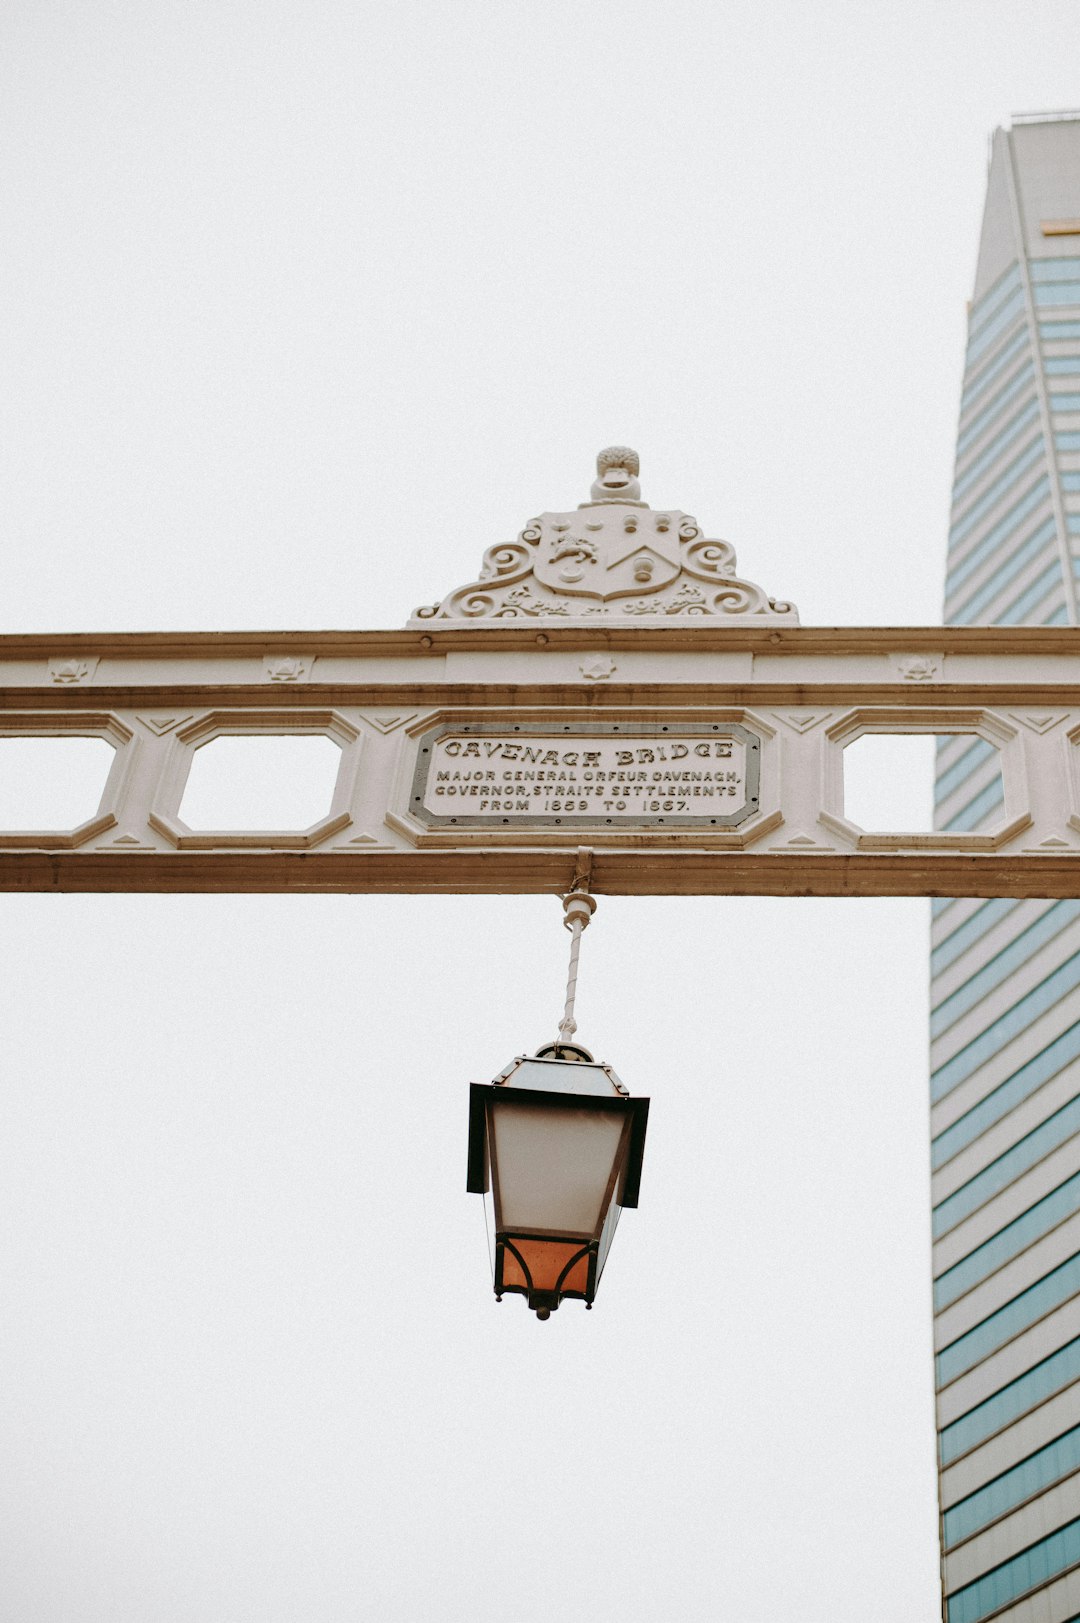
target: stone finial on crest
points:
(617, 471)
(613, 557)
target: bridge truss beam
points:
(688, 758)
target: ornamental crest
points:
(613, 557)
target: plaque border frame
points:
(670, 822)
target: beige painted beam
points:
(693, 758)
(617, 873)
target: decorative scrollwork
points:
(508, 559)
(613, 556)
(522, 601)
(503, 566)
(687, 600)
(711, 560)
(470, 604)
(740, 599)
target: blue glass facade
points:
(1023, 1310)
(1005, 1000)
(1054, 1208)
(1048, 1465)
(1011, 1402)
(1000, 1101)
(1030, 1569)
(1006, 1168)
(999, 967)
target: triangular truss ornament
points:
(164, 724)
(1039, 723)
(803, 720)
(386, 724)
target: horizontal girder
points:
(690, 760)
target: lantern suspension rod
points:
(578, 909)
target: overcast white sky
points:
(307, 304)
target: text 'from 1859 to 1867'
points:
(694, 776)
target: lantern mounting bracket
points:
(582, 879)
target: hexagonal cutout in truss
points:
(913, 783)
(261, 782)
(52, 784)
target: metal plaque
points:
(686, 775)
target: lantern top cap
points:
(572, 1052)
(562, 1068)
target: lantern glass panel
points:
(489, 1226)
(553, 1165)
(545, 1260)
(606, 1236)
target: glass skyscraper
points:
(1005, 988)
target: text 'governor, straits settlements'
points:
(633, 777)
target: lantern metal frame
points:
(623, 1184)
(560, 1079)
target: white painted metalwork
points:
(607, 681)
(780, 703)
